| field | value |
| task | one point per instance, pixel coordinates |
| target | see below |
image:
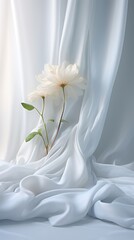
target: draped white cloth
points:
(70, 182)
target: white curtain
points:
(76, 178)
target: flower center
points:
(63, 85)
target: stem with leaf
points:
(45, 127)
(33, 134)
(60, 121)
(42, 116)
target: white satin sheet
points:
(77, 178)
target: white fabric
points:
(87, 228)
(69, 183)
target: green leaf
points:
(30, 136)
(63, 120)
(51, 120)
(40, 131)
(29, 107)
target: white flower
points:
(40, 92)
(63, 76)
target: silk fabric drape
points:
(69, 183)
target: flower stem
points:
(42, 116)
(44, 143)
(37, 110)
(60, 121)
